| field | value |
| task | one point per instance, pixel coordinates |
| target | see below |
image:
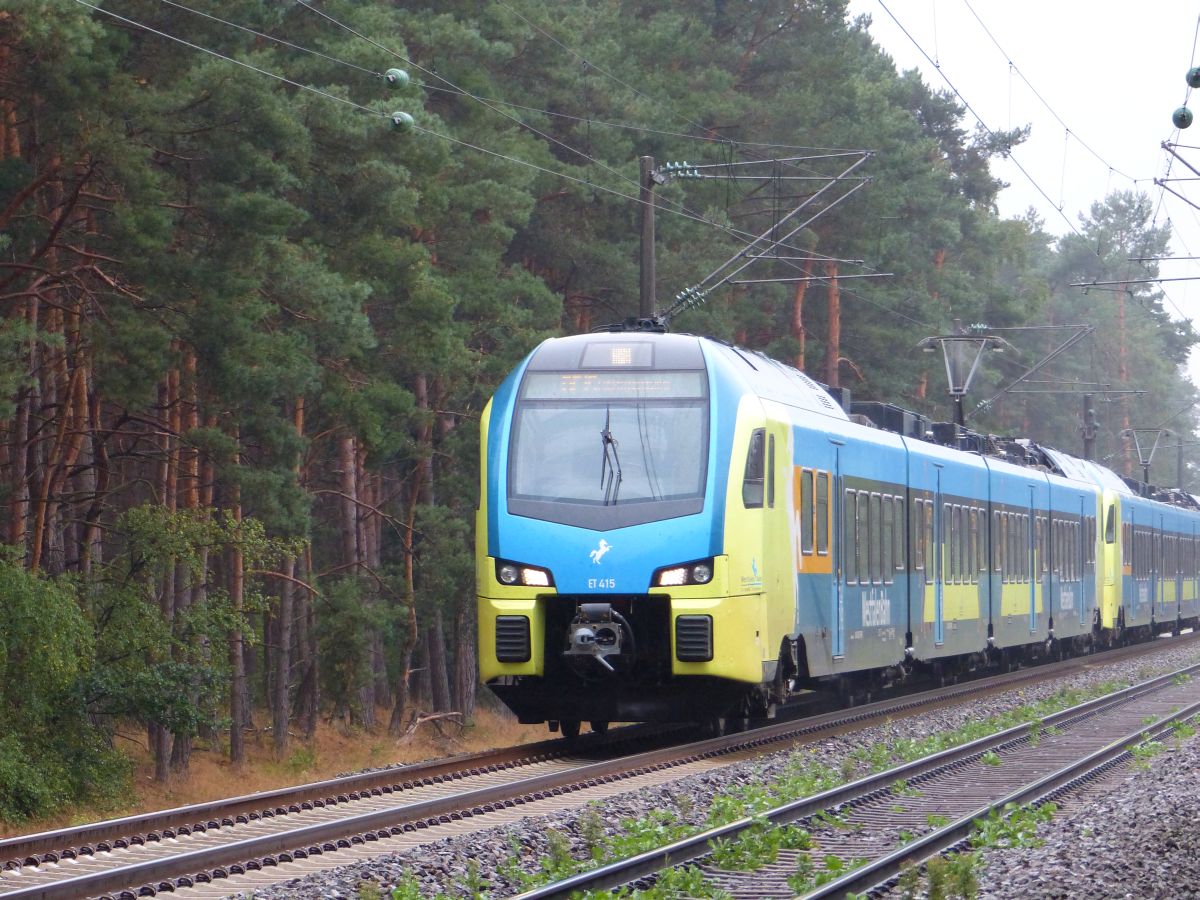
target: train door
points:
(1157, 591)
(1112, 551)
(1030, 535)
(939, 538)
(837, 615)
(1083, 555)
(1192, 575)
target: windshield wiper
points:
(610, 465)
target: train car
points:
(675, 529)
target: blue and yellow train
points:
(675, 529)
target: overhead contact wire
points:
(670, 206)
(238, 62)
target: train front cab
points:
(680, 647)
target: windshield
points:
(641, 446)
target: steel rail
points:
(684, 850)
(280, 801)
(881, 871)
(412, 816)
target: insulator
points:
(396, 78)
(1193, 77)
(1182, 117)
(402, 121)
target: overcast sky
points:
(1110, 72)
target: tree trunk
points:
(422, 691)
(19, 523)
(280, 705)
(396, 722)
(439, 678)
(347, 467)
(308, 694)
(833, 346)
(405, 687)
(798, 331)
(237, 660)
(465, 671)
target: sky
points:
(1097, 81)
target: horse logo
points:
(598, 553)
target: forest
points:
(249, 319)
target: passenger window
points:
(822, 513)
(918, 533)
(771, 472)
(752, 481)
(875, 542)
(930, 552)
(806, 511)
(863, 538)
(849, 544)
(886, 542)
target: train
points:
(675, 529)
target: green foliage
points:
(1142, 753)
(50, 756)
(807, 876)
(347, 620)
(303, 255)
(758, 846)
(1014, 826)
(591, 830)
(409, 888)
(953, 877)
(558, 862)
(684, 881)
(472, 884)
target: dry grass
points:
(333, 750)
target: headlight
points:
(510, 573)
(700, 572)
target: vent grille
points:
(512, 638)
(693, 638)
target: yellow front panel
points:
(489, 608)
(744, 527)
(738, 647)
(759, 547)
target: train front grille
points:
(693, 638)
(512, 639)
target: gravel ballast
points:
(1133, 840)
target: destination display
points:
(614, 385)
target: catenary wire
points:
(606, 73)
(271, 37)
(431, 132)
(978, 118)
(679, 208)
(986, 128)
(533, 109)
(245, 65)
(374, 112)
(1014, 68)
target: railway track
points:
(221, 847)
(877, 826)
